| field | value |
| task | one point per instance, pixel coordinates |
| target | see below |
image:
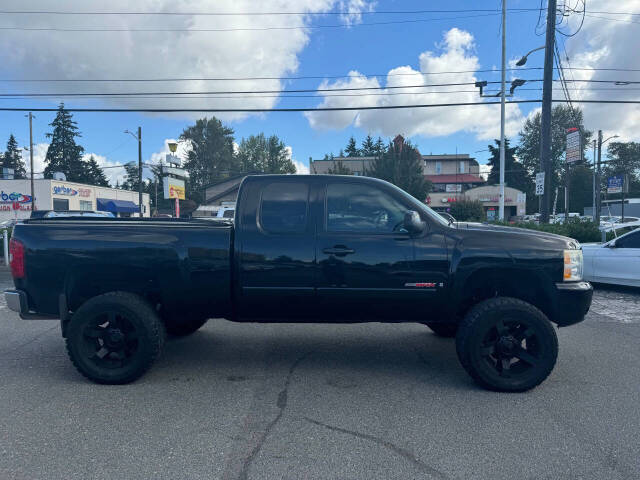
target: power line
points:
(301, 109)
(302, 90)
(305, 77)
(222, 14)
(230, 92)
(238, 29)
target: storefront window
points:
(60, 204)
(86, 205)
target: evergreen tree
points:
(401, 165)
(516, 174)
(63, 154)
(380, 148)
(352, 148)
(563, 117)
(341, 153)
(368, 147)
(131, 179)
(94, 175)
(211, 156)
(12, 158)
(260, 154)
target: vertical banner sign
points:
(615, 184)
(540, 183)
(574, 145)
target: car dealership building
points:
(16, 201)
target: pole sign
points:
(615, 184)
(540, 183)
(173, 188)
(574, 145)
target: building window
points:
(86, 205)
(462, 167)
(60, 204)
(438, 168)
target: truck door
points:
(367, 267)
(276, 251)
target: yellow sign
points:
(173, 188)
(176, 192)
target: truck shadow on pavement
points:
(345, 355)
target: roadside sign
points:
(615, 184)
(540, 183)
(574, 145)
(173, 188)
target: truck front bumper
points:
(18, 302)
(573, 302)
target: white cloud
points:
(455, 53)
(355, 8)
(606, 44)
(164, 54)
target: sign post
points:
(540, 183)
(172, 183)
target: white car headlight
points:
(573, 265)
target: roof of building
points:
(454, 178)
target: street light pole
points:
(545, 120)
(502, 108)
(140, 171)
(33, 198)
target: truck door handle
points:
(338, 250)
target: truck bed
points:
(183, 264)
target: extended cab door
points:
(367, 264)
(275, 249)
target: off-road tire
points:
(495, 314)
(149, 336)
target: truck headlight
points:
(573, 265)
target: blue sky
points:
(368, 50)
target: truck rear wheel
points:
(180, 327)
(507, 345)
(446, 330)
(114, 338)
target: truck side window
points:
(362, 209)
(283, 207)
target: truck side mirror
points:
(412, 222)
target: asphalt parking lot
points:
(369, 401)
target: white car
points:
(617, 261)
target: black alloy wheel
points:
(110, 340)
(506, 344)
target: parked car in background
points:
(616, 262)
(70, 213)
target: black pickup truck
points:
(326, 249)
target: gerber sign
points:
(62, 190)
(14, 201)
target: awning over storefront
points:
(117, 206)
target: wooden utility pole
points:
(545, 121)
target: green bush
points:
(575, 228)
(467, 211)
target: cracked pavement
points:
(284, 401)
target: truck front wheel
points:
(507, 345)
(114, 338)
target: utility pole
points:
(33, 198)
(502, 105)
(140, 171)
(545, 121)
(593, 212)
(598, 181)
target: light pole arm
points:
(523, 60)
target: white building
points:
(16, 202)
